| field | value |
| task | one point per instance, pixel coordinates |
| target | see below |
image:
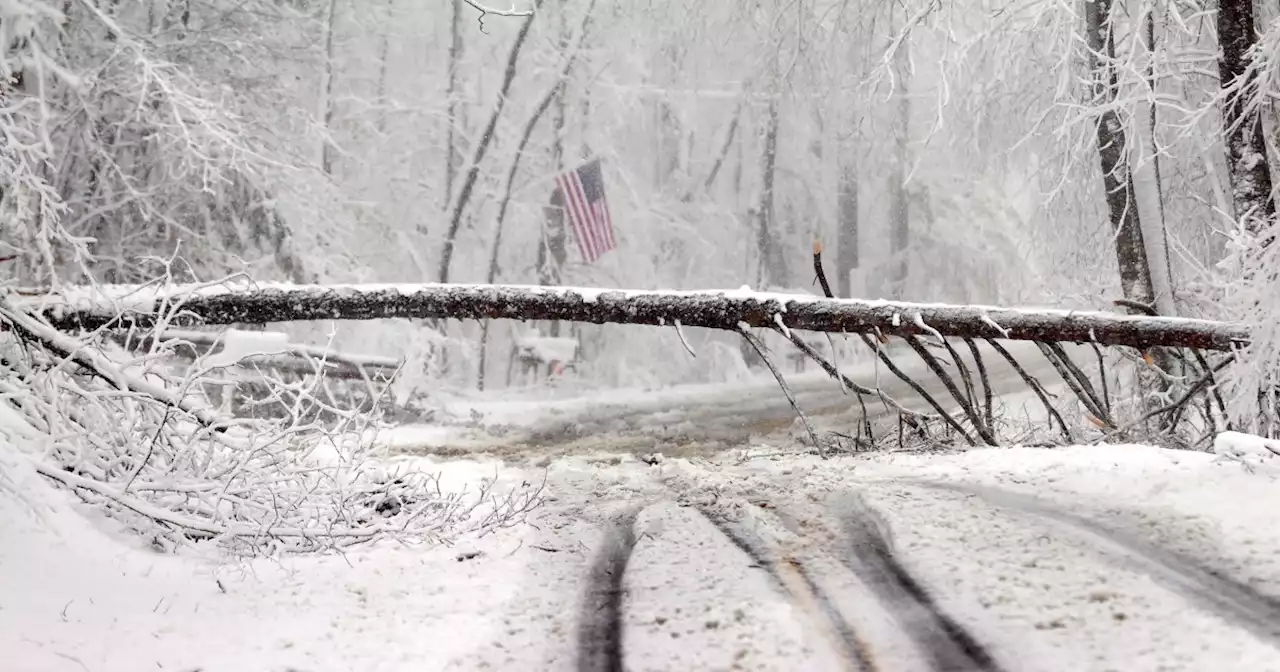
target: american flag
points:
(583, 191)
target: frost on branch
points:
(1254, 265)
(130, 437)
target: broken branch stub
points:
(123, 306)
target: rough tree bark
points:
(123, 306)
(1247, 163)
(1122, 206)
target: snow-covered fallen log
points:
(178, 305)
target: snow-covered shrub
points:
(130, 438)
(1253, 265)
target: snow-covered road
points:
(760, 558)
(781, 566)
(707, 419)
(1088, 558)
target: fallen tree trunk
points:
(113, 306)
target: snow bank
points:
(76, 594)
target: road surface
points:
(677, 423)
(710, 561)
(716, 565)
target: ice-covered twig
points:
(1075, 380)
(483, 9)
(1035, 386)
(759, 348)
(986, 319)
(685, 343)
(1178, 403)
(965, 403)
(67, 347)
(862, 390)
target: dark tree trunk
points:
(1122, 206)
(847, 259)
(326, 149)
(451, 155)
(899, 207)
(773, 263)
(552, 252)
(101, 307)
(486, 138)
(1247, 162)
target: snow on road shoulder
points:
(1215, 510)
(1045, 598)
(76, 594)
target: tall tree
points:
(1247, 163)
(326, 99)
(482, 147)
(773, 262)
(384, 53)
(451, 155)
(899, 206)
(847, 257)
(552, 251)
(1122, 206)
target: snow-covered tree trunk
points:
(899, 208)
(773, 265)
(326, 98)
(1247, 162)
(451, 108)
(384, 54)
(121, 306)
(847, 252)
(1122, 206)
(1155, 235)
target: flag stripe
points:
(607, 220)
(575, 217)
(591, 251)
(588, 243)
(582, 193)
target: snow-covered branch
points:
(499, 12)
(119, 305)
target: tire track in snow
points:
(798, 584)
(600, 617)
(939, 641)
(1232, 600)
(947, 644)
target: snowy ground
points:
(1117, 563)
(756, 558)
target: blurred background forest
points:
(941, 151)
